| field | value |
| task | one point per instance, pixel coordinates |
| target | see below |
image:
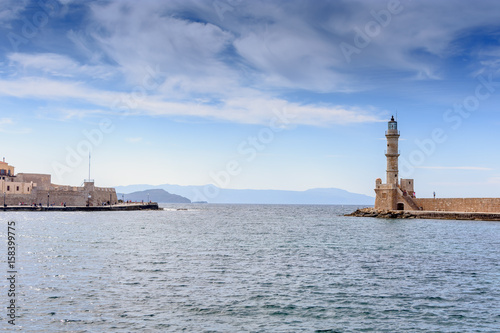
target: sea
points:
(249, 268)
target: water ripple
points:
(228, 268)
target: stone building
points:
(399, 194)
(34, 188)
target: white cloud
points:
(10, 9)
(455, 168)
(281, 47)
(494, 180)
(240, 63)
(241, 110)
(136, 35)
(134, 140)
(7, 125)
(5, 121)
(294, 59)
(63, 114)
(57, 65)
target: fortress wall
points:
(66, 188)
(41, 180)
(486, 205)
(15, 199)
(77, 198)
(41, 197)
(102, 194)
(71, 198)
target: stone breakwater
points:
(383, 214)
(399, 214)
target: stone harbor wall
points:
(486, 205)
(103, 194)
(72, 196)
(15, 199)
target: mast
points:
(89, 165)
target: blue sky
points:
(253, 94)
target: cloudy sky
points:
(253, 94)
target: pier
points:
(117, 207)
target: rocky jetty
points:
(383, 214)
(439, 215)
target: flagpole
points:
(89, 166)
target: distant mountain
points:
(213, 194)
(155, 195)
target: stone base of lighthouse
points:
(395, 196)
(386, 198)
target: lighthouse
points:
(394, 194)
(398, 194)
(392, 152)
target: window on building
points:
(8, 188)
(17, 188)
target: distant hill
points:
(214, 194)
(155, 195)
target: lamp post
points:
(48, 199)
(4, 205)
(123, 198)
(148, 197)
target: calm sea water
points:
(252, 268)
